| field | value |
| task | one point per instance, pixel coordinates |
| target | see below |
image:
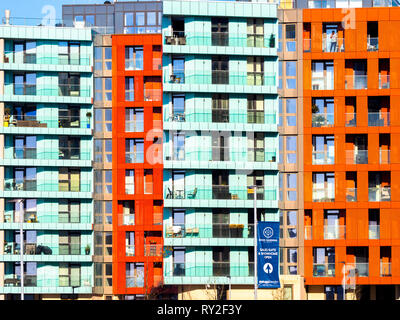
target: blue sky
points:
(33, 8)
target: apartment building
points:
(46, 105)
(128, 17)
(220, 107)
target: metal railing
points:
(356, 82)
(356, 156)
(323, 269)
(384, 81)
(323, 157)
(219, 192)
(215, 230)
(332, 46)
(372, 44)
(322, 119)
(379, 194)
(350, 119)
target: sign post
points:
(268, 254)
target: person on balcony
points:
(333, 41)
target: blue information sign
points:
(268, 254)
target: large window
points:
(134, 120)
(129, 89)
(134, 150)
(130, 181)
(134, 58)
(255, 108)
(134, 274)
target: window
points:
(108, 181)
(69, 180)
(134, 58)
(290, 74)
(134, 120)
(148, 181)
(69, 84)
(130, 181)
(25, 84)
(98, 58)
(291, 255)
(255, 32)
(291, 149)
(108, 89)
(291, 186)
(151, 18)
(134, 274)
(134, 150)
(291, 112)
(129, 89)
(323, 112)
(322, 76)
(108, 58)
(69, 243)
(69, 53)
(220, 108)
(255, 71)
(128, 23)
(323, 186)
(255, 109)
(219, 32)
(69, 275)
(220, 70)
(129, 243)
(290, 37)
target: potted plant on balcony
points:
(88, 116)
(87, 249)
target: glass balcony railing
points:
(384, 81)
(24, 153)
(351, 194)
(378, 119)
(384, 156)
(14, 280)
(62, 90)
(126, 219)
(329, 45)
(212, 269)
(318, 4)
(374, 232)
(20, 185)
(134, 157)
(322, 83)
(152, 94)
(350, 119)
(334, 232)
(14, 217)
(322, 157)
(50, 154)
(259, 40)
(356, 156)
(219, 192)
(177, 76)
(307, 45)
(385, 269)
(323, 119)
(55, 122)
(25, 57)
(323, 194)
(13, 248)
(379, 194)
(134, 64)
(355, 82)
(249, 117)
(372, 44)
(324, 269)
(385, 3)
(130, 250)
(361, 269)
(215, 230)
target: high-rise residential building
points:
(220, 108)
(343, 55)
(46, 105)
(128, 17)
(137, 166)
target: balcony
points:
(329, 46)
(356, 156)
(384, 81)
(322, 157)
(157, 63)
(20, 185)
(351, 194)
(26, 89)
(130, 250)
(153, 250)
(215, 230)
(334, 232)
(73, 154)
(177, 76)
(361, 269)
(14, 280)
(384, 156)
(372, 44)
(134, 157)
(22, 121)
(24, 57)
(374, 232)
(355, 82)
(134, 64)
(378, 119)
(177, 38)
(350, 120)
(386, 269)
(24, 153)
(219, 192)
(323, 269)
(152, 94)
(323, 120)
(29, 217)
(29, 248)
(323, 195)
(322, 83)
(212, 269)
(126, 219)
(222, 39)
(379, 194)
